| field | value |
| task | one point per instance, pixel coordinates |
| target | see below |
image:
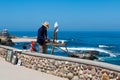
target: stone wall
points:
(67, 69)
(62, 68)
(3, 52)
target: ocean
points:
(106, 42)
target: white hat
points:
(46, 24)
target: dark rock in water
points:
(7, 42)
(0, 41)
(91, 52)
(74, 55)
(5, 38)
(85, 55)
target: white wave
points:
(109, 59)
(91, 49)
(60, 41)
(104, 46)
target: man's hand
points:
(46, 40)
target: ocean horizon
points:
(106, 42)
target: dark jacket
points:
(42, 35)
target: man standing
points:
(42, 37)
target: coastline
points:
(23, 39)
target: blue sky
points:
(77, 15)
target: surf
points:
(104, 46)
(72, 49)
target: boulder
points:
(70, 76)
(5, 41)
(85, 55)
(105, 76)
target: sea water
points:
(106, 42)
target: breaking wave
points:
(90, 49)
(104, 46)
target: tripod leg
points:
(53, 47)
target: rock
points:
(118, 77)
(93, 71)
(6, 41)
(90, 67)
(62, 69)
(61, 74)
(80, 72)
(54, 73)
(85, 55)
(105, 76)
(69, 76)
(94, 78)
(111, 76)
(0, 41)
(87, 76)
(48, 72)
(115, 74)
(84, 67)
(104, 71)
(81, 77)
(75, 78)
(65, 69)
(90, 76)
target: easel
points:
(56, 44)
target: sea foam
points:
(90, 49)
